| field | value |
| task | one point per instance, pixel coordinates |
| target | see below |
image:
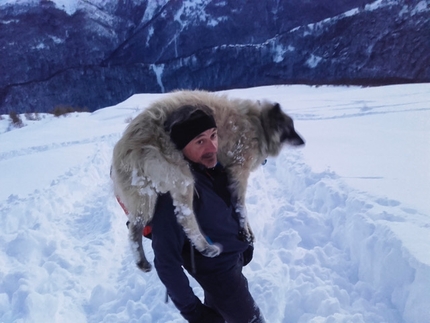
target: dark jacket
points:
(218, 221)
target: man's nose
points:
(212, 146)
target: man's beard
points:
(209, 160)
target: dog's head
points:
(283, 126)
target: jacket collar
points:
(203, 169)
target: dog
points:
(146, 163)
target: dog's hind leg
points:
(135, 228)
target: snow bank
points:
(337, 241)
(344, 253)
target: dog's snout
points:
(292, 138)
(296, 140)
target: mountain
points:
(97, 53)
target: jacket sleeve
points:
(168, 240)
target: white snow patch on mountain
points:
(313, 61)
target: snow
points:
(151, 8)
(69, 6)
(313, 61)
(422, 6)
(7, 2)
(342, 225)
(194, 9)
(279, 52)
(158, 70)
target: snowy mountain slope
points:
(333, 243)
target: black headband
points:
(182, 133)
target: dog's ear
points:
(275, 110)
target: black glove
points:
(247, 255)
(204, 314)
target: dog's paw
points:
(250, 237)
(247, 236)
(212, 250)
(144, 266)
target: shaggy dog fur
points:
(147, 163)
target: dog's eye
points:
(284, 136)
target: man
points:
(227, 298)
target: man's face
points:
(203, 148)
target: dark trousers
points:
(228, 294)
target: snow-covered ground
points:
(342, 225)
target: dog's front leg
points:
(135, 228)
(186, 218)
(238, 183)
(248, 235)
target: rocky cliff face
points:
(97, 54)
